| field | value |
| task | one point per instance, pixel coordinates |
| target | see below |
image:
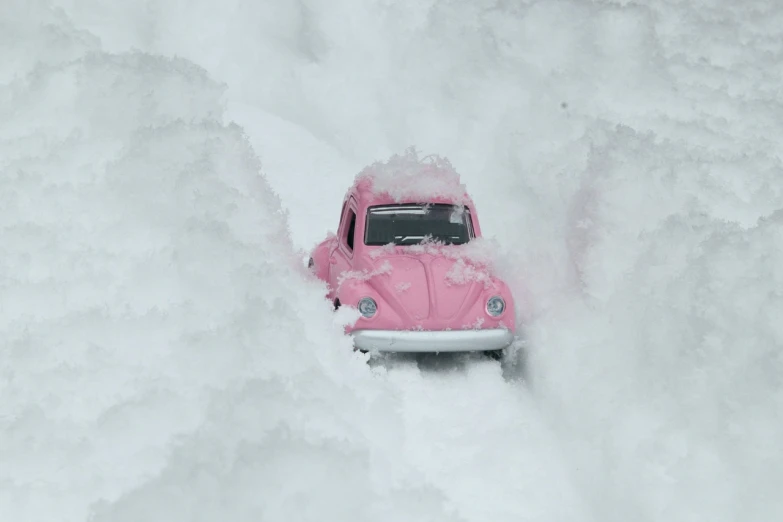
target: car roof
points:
(407, 179)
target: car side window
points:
(351, 229)
(342, 213)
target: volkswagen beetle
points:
(405, 255)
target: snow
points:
(166, 357)
(406, 177)
(482, 251)
(384, 267)
(402, 287)
(462, 273)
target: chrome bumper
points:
(432, 341)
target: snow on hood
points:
(475, 261)
(363, 275)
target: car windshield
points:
(411, 224)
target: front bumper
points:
(432, 341)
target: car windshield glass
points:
(411, 224)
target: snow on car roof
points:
(406, 178)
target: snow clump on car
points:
(406, 177)
(364, 275)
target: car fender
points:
(320, 258)
(500, 288)
(352, 290)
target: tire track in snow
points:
(481, 440)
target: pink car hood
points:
(431, 292)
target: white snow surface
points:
(164, 166)
(409, 177)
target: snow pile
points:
(644, 220)
(163, 358)
(661, 367)
(407, 178)
(623, 154)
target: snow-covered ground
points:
(164, 166)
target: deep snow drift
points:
(163, 357)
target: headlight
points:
(367, 307)
(495, 306)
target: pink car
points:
(408, 256)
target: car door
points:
(342, 256)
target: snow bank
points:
(644, 218)
(623, 154)
(661, 367)
(163, 355)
